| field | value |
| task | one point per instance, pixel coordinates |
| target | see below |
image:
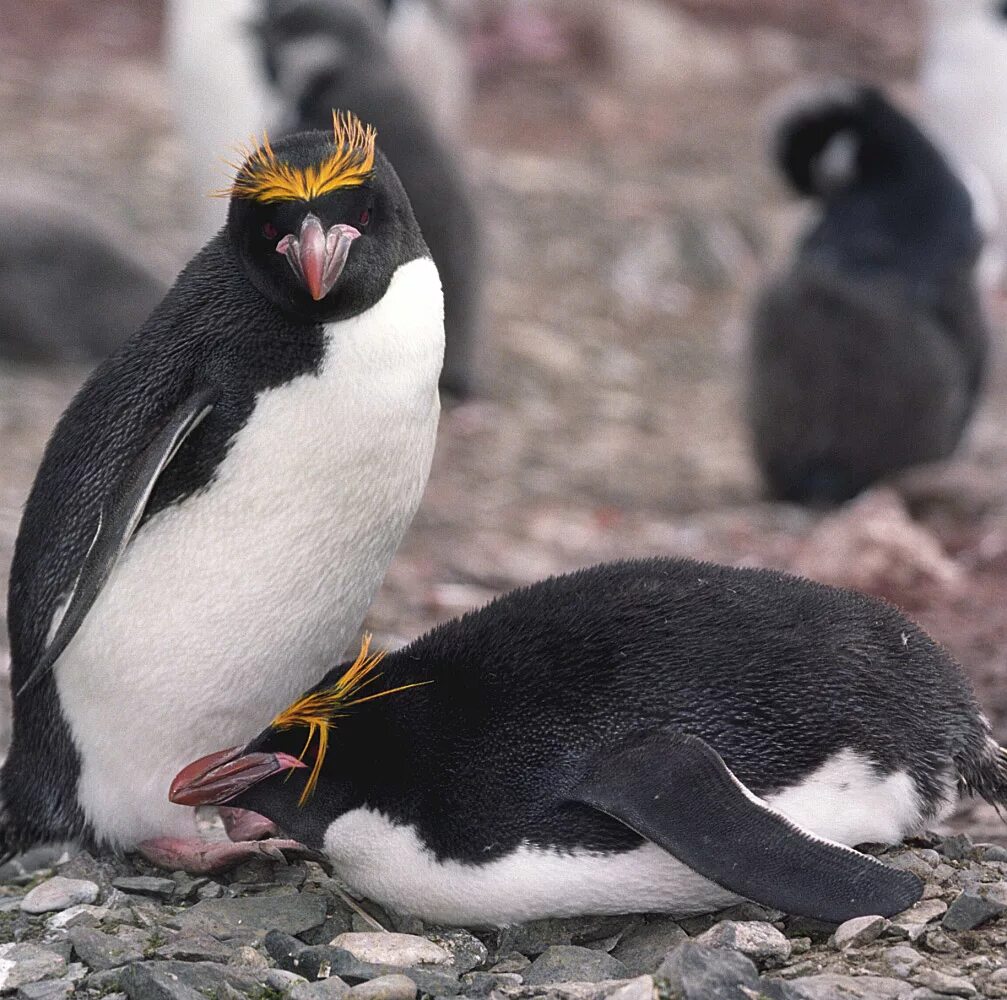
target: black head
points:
(320, 222)
(306, 768)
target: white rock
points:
(59, 893)
(82, 915)
(27, 963)
(392, 949)
(394, 987)
(759, 940)
(858, 931)
(641, 988)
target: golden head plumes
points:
(264, 178)
(318, 710)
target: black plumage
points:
(868, 354)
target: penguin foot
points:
(243, 824)
(207, 857)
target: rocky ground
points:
(117, 928)
(631, 217)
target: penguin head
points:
(306, 768)
(319, 221)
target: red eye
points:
(365, 216)
(269, 231)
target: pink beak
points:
(219, 777)
(318, 257)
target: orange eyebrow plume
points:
(262, 177)
(318, 709)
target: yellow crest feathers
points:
(318, 709)
(264, 178)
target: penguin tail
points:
(839, 136)
(985, 774)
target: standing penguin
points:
(219, 503)
(283, 65)
(659, 735)
(867, 356)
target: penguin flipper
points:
(117, 523)
(676, 791)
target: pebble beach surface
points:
(110, 927)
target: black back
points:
(774, 672)
(359, 75)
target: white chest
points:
(228, 605)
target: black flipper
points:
(676, 791)
(117, 523)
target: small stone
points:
(956, 848)
(281, 980)
(992, 852)
(831, 986)
(146, 885)
(934, 939)
(249, 958)
(151, 980)
(922, 993)
(644, 947)
(481, 984)
(467, 952)
(48, 989)
(145, 982)
(915, 919)
(697, 972)
(385, 988)
(566, 963)
(534, 937)
(392, 949)
(513, 961)
(28, 963)
(974, 907)
(941, 982)
(59, 893)
(760, 941)
(641, 988)
(211, 890)
(198, 947)
(105, 951)
(858, 931)
(910, 861)
(82, 915)
(225, 918)
(902, 959)
(325, 989)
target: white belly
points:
(228, 605)
(843, 801)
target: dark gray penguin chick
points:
(661, 735)
(68, 292)
(322, 54)
(867, 355)
(218, 505)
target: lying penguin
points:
(868, 355)
(283, 65)
(219, 503)
(661, 735)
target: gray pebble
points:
(831, 986)
(59, 893)
(974, 907)
(902, 959)
(644, 947)
(105, 951)
(565, 963)
(325, 989)
(28, 963)
(146, 885)
(696, 972)
(941, 982)
(385, 988)
(760, 941)
(858, 931)
(224, 918)
(392, 949)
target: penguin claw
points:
(209, 857)
(243, 824)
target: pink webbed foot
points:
(243, 824)
(207, 857)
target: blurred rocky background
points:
(619, 161)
